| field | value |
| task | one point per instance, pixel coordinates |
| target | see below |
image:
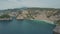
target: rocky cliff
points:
(49, 14)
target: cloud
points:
(5, 4)
(10, 4)
(3, 0)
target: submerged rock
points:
(56, 30)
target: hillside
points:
(50, 14)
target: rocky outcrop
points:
(56, 30)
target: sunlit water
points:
(25, 27)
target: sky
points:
(9, 4)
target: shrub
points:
(5, 16)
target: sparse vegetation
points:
(58, 22)
(5, 16)
(34, 12)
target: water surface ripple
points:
(25, 27)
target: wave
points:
(50, 22)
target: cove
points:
(25, 27)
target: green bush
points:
(58, 22)
(5, 16)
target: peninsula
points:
(5, 17)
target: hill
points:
(50, 14)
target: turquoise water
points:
(25, 27)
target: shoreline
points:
(5, 18)
(50, 22)
(47, 21)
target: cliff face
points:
(40, 14)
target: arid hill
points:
(50, 14)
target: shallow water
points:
(25, 27)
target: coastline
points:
(5, 18)
(50, 22)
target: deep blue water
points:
(25, 27)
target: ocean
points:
(25, 27)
